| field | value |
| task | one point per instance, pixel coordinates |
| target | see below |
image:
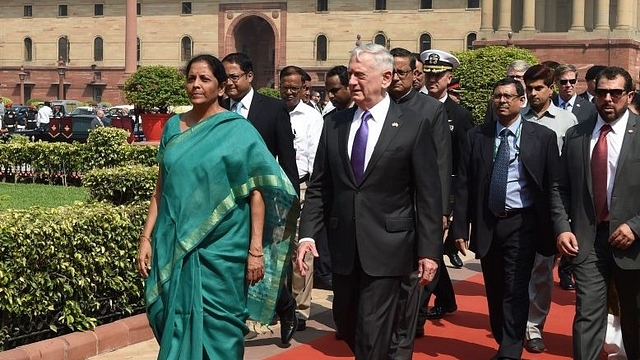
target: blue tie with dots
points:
(498, 186)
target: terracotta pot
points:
(152, 125)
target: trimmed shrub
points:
(59, 265)
(155, 88)
(269, 92)
(479, 69)
(121, 185)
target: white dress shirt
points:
(614, 145)
(246, 103)
(44, 114)
(570, 103)
(306, 124)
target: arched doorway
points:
(254, 36)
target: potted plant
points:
(152, 90)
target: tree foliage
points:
(479, 69)
(269, 92)
(155, 88)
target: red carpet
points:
(463, 335)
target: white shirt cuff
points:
(307, 239)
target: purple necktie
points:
(359, 148)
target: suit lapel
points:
(487, 145)
(389, 130)
(628, 145)
(344, 125)
(255, 108)
(586, 152)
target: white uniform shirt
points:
(44, 114)
(306, 124)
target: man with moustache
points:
(539, 81)
(502, 194)
(418, 78)
(402, 92)
(270, 117)
(306, 123)
(567, 98)
(596, 214)
(377, 227)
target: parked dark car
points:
(21, 112)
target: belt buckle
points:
(503, 214)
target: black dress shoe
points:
(438, 312)
(455, 260)
(566, 282)
(535, 346)
(288, 326)
(302, 325)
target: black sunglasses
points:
(616, 94)
(570, 81)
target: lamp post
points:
(61, 71)
(23, 76)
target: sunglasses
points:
(570, 81)
(616, 94)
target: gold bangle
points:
(256, 255)
(145, 237)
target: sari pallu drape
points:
(197, 297)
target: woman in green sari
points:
(219, 227)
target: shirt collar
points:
(378, 111)
(513, 127)
(571, 101)
(618, 126)
(246, 100)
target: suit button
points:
(357, 191)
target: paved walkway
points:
(268, 344)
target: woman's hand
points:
(144, 257)
(255, 269)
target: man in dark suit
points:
(503, 194)
(599, 193)
(268, 115)
(567, 98)
(590, 79)
(271, 118)
(374, 187)
(402, 92)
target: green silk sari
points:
(197, 296)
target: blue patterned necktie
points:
(498, 186)
(237, 107)
(359, 148)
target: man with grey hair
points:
(567, 97)
(369, 217)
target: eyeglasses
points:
(507, 97)
(616, 94)
(570, 81)
(290, 89)
(235, 77)
(401, 73)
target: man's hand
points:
(622, 237)
(567, 244)
(462, 245)
(303, 249)
(426, 271)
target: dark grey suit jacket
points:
(583, 109)
(271, 118)
(437, 115)
(539, 155)
(395, 214)
(573, 194)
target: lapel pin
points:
(395, 124)
(630, 131)
(577, 105)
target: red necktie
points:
(599, 161)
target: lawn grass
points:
(23, 196)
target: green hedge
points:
(121, 185)
(106, 148)
(57, 263)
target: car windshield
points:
(82, 111)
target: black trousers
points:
(364, 309)
(322, 265)
(506, 269)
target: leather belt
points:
(513, 212)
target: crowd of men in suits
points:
(395, 166)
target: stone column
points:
(131, 38)
(577, 15)
(528, 15)
(625, 14)
(504, 20)
(486, 15)
(602, 15)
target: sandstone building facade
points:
(77, 48)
